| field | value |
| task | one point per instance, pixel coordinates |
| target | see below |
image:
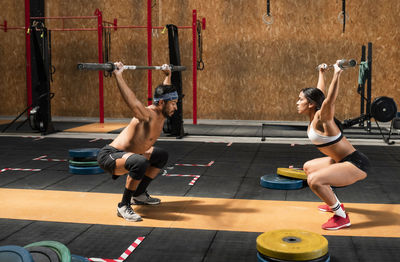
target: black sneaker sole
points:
(144, 203)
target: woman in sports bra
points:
(343, 164)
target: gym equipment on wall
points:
(39, 116)
(382, 109)
(174, 123)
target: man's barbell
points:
(109, 67)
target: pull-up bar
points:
(98, 15)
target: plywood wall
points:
(253, 71)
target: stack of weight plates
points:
(285, 178)
(49, 251)
(84, 161)
(292, 245)
(43, 251)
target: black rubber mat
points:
(171, 244)
(235, 173)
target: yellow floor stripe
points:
(372, 220)
(97, 127)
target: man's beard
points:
(164, 111)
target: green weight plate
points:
(292, 245)
(62, 251)
(79, 163)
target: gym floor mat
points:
(226, 190)
(98, 127)
(198, 213)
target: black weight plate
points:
(84, 159)
(383, 109)
(43, 254)
(263, 258)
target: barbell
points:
(343, 64)
(109, 67)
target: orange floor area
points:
(97, 127)
(372, 220)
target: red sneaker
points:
(337, 222)
(326, 208)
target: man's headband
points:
(167, 97)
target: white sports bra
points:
(320, 140)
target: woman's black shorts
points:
(358, 159)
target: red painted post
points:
(194, 32)
(28, 53)
(100, 50)
(149, 62)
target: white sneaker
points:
(127, 213)
(145, 199)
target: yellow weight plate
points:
(292, 172)
(293, 245)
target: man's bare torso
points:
(140, 136)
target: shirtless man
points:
(343, 165)
(132, 151)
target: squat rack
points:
(99, 17)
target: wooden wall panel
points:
(12, 60)
(253, 71)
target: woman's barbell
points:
(109, 67)
(343, 64)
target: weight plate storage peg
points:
(292, 245)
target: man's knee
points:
(158, 158)
(136, 165)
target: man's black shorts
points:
(107, 158)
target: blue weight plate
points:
(277, 182)
(76, 258)
(13, 253)
(83, 170)
(262, 258)
(83, 152)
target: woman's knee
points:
(313, 181)
(307, 167)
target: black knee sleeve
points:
(136, 165)
(159, 157)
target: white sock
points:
(337, 208)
